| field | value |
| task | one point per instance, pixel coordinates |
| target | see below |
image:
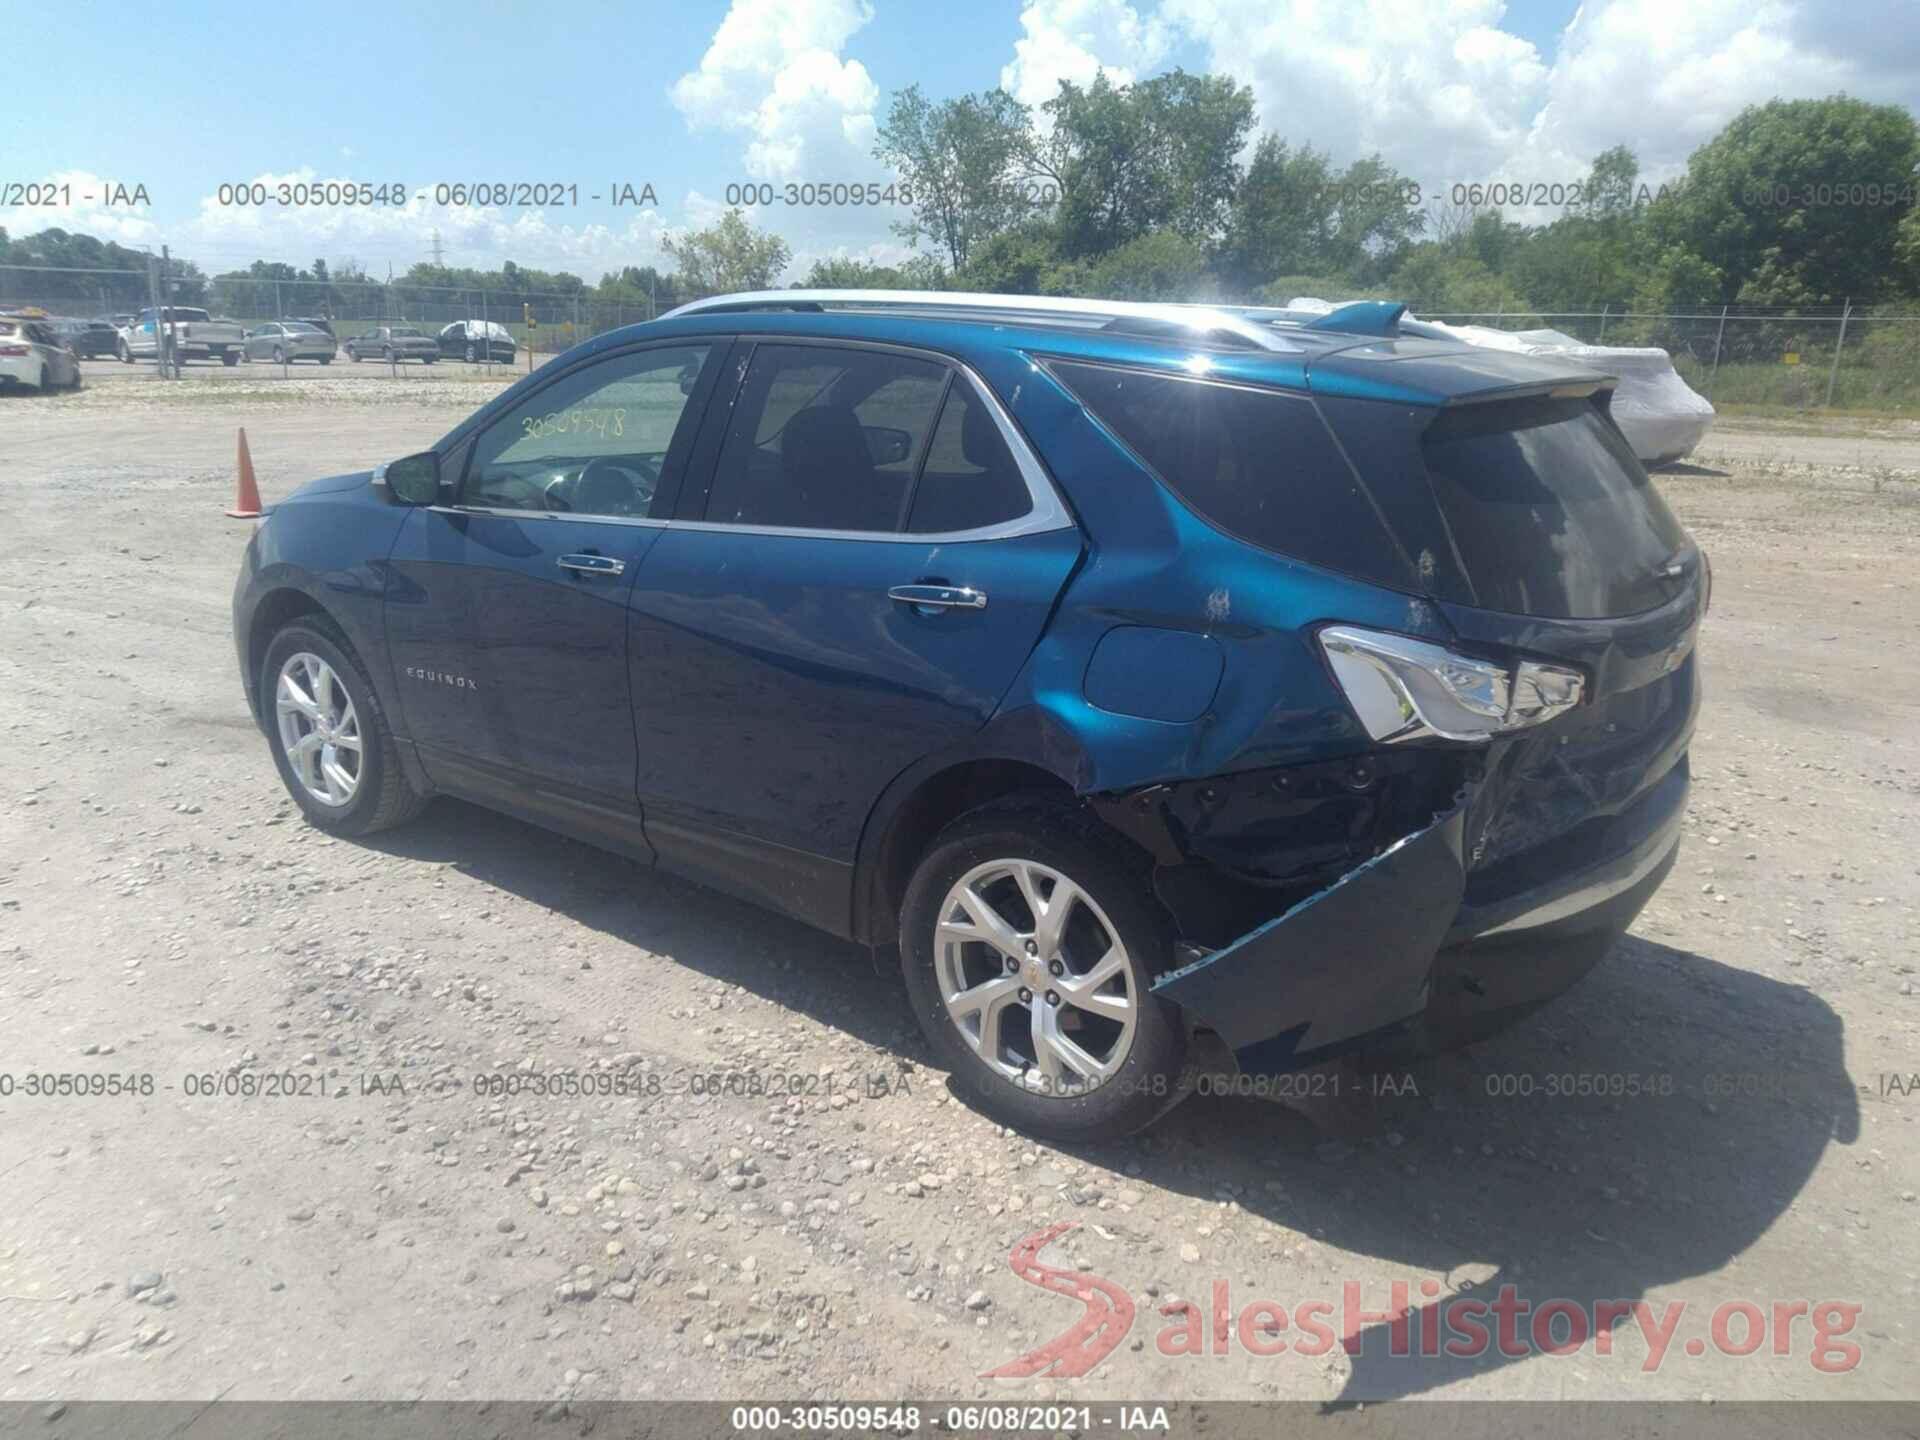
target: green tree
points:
(728, 255)
(1130, 159)
(1281, 216)
(1293, 212)
(922, 272)
(960, 159)
(1778, 202)
(1437, 280)
(1164, 265)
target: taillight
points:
(1407, 689)
(14, 351)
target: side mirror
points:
(414, 480)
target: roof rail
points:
(1196, 322)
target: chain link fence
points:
(1848, 358)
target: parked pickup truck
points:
(193, 334)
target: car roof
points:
(1359, 351)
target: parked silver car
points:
(284, 341)
(398, 342)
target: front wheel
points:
(1029, 940)
(471, 356)
(229, 357)
(330, 738)
(353, 355)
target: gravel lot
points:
(388, 1232)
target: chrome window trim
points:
(586, 517)
(964, 304)
(1049, 512)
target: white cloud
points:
(1077, 40)
(774, 72)
(79, 200)
(1446, 94)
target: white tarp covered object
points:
(1661, 415)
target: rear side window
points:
(826, 439)
(970, 480)
(1550, 511)
(1259, 464)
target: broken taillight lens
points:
(1407, 689)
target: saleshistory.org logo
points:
(1461, 1326)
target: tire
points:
(229, 357)
(1114, 883)
(279, 356)
(353, 355)
(381, 797)
(429, 359)
(386, 354)
(125, 353)
(326, 359)
(470, 354)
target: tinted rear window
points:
(1549, 510)
(1260, 464)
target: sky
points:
(693, 98)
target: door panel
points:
(777, 688)
(504, 658)
(506, 615)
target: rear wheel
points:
(330, 738)
(1029, 941)
(229, 357)
(471, 353)
(353, 355)
(279, 356)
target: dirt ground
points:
(391, 1230)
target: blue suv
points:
(1144, 673)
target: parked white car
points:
(33, 356)
(195, 335)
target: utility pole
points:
(153, 299)
(1834, 373)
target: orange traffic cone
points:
(246, 501)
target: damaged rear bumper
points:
(1417, 949)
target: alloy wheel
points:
(319, 729)
(1035, 977)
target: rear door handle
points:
(592, 564)
(939, 597)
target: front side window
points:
(826, 439)
(592, 443)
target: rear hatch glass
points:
(1549, 511)
(1532, 505)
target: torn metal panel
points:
(1352, 959)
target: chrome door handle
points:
(939, 597)
(592, 564)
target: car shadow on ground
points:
(1493, 1176)
(1490, 1175)
(782, 960)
